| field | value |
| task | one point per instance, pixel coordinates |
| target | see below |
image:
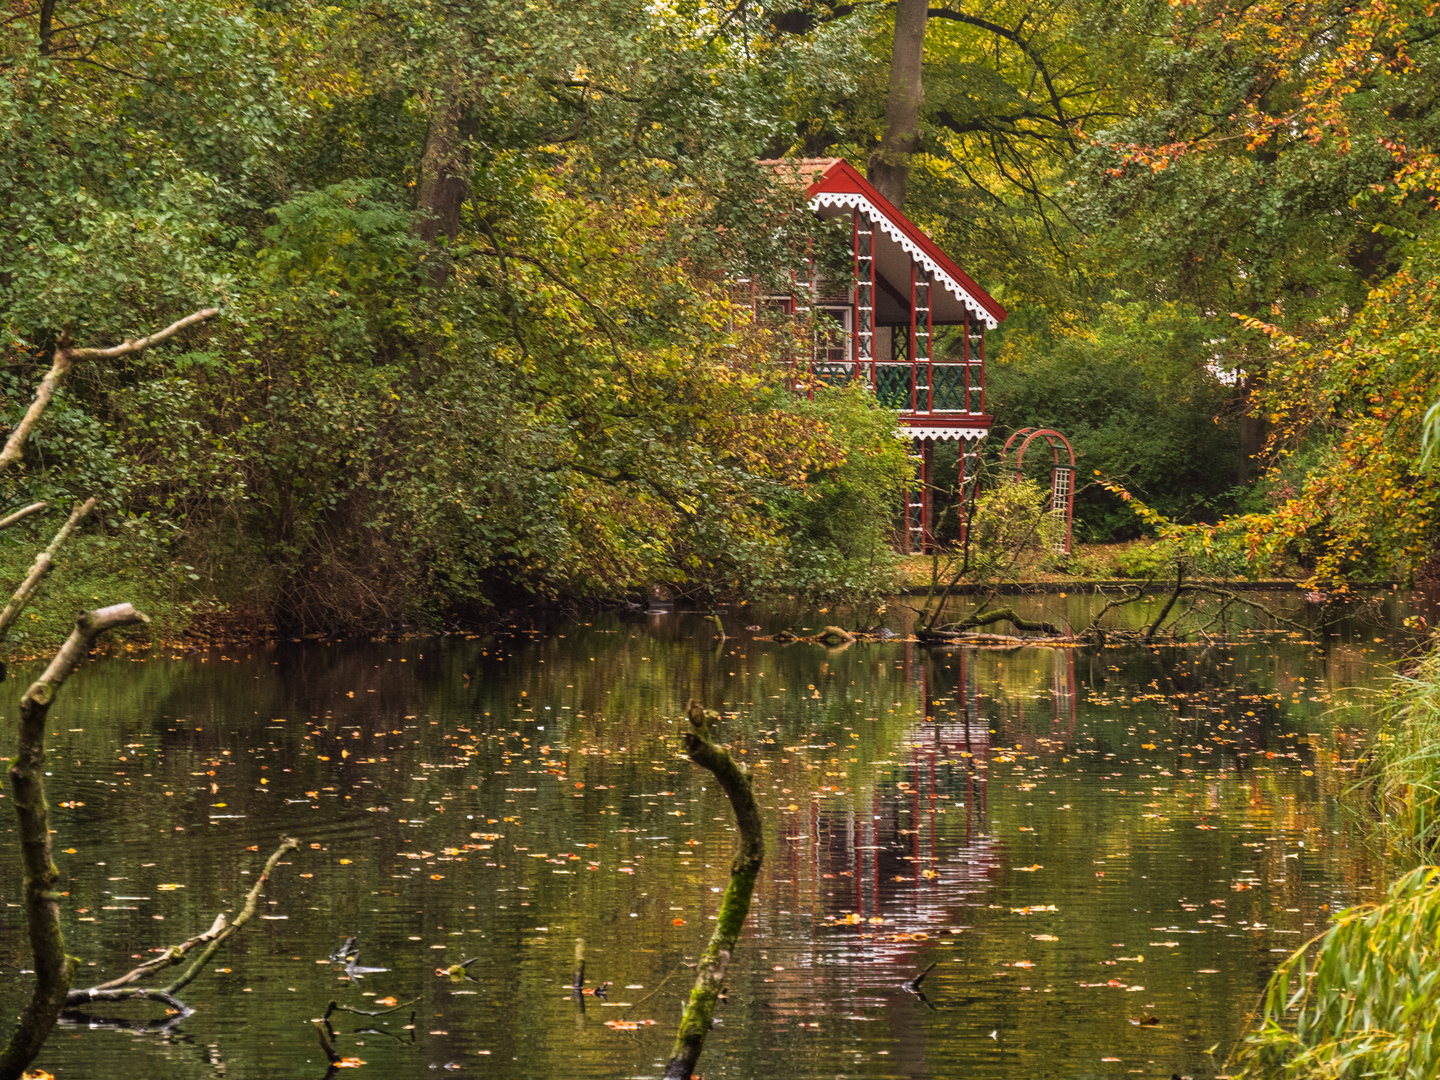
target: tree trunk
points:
(53, 969)
(710, 974)
(889, 168)
(444, 179)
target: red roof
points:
(840, 177)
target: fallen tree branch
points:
(168, 958)
(1174, 596)
(734, 906)
(22, 514)
(53, 969)
(989, 618)
(64, 356)
(219, 932)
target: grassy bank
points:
(1360, 1000)
(91, 571)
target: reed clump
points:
(1360, 1000)
(1364, 1004)
(1401, 778)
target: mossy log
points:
(734, 779)
(990, 618)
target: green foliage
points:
(840, 527)
(1135, 400)
(1364, 1004)
(1401, 780)
(1012, 520)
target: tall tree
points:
(889, 167)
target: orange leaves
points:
(628, 1025)
(348, 1063)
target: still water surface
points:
(1103, 852)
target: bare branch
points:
(134, 345)
(42, 565)
(65, 355)
(53, 969)
(121, 990)
(22, 514)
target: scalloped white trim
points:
(941, 434)
(855, 201)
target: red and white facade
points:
(887, 325)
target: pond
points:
(1103, 852)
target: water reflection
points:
(1102, 852)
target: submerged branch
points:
(121, 989)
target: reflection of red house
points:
(908, 321)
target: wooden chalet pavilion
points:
(880, 326)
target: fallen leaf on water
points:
(386, 1002)
(169, 888)
(628, 1025)
(349, 1063)
(677, 922)
(1030, 869)
(38, 1074)
(1044, 937)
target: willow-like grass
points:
(1366, 1006)
(1361, 999)
(1402, 778)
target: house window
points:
(832, 336)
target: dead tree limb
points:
(64, 356)
(1264, 609)
(988, 618)
(53, 969)
(1170, 603)
(22, 514)
(335, 1007)
(170, 957)
(734, 779)
(1094, 628)
(121, 989)
(44, 562)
